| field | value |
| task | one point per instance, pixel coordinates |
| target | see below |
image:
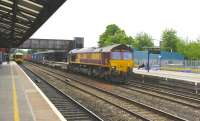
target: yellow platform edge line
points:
(16, 116)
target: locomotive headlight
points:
(113, 67)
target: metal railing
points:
(173, 65)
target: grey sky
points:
(88, 18)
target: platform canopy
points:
(19, 19)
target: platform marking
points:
(29, 105)
(15, 103)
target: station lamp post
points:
(160, 57)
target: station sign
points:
(154, 50)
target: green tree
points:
(181, 45)
(30, 51)
(170, 40)
(114, 35)
(191, 50)
(143, 40)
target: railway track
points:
(137, 82)
(140, 110)
(153, 83)
(165, 89)
(177, 98)
(159, 92)
(70, 108)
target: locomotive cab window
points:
(73, 57)
(127, 55)
(116, 55)
(121, 55)
(18, 56)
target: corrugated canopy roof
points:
(19, 19)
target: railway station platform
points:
(179, 79)
(21, 99)
(191, 77)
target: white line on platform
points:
(29, 105)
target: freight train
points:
(112, 63)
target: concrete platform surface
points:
(21, 99)
(191, 77)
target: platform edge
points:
(55, 110)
